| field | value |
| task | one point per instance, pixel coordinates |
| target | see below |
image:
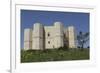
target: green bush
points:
(63, 48)
(54, 55)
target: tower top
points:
(37, 24)
(57, 23)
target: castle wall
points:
(37, 38)
(27, 39)
(49, 37)
(58, 35)
(54, 36)
(71, 37)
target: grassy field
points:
(54, 55)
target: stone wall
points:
(27, 39)
(37, 38)
(49, 37)
(71, 37)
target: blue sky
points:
(79, 20)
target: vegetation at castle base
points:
(54, 55)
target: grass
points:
(54, 55)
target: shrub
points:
(63, 48)
(60, 48)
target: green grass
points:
(54, 55)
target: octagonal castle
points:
(49, 37)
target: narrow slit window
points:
(48, 34)
(48, 42)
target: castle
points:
(49, 37)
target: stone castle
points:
(49, 37)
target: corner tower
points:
(27, 39)
(58, 35)
(71, 37)
(37, 37)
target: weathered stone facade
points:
(49, 37)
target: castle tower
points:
(58, 35)
(27, 39)
(71, 37)
(37, 38)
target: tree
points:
(82, 38)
